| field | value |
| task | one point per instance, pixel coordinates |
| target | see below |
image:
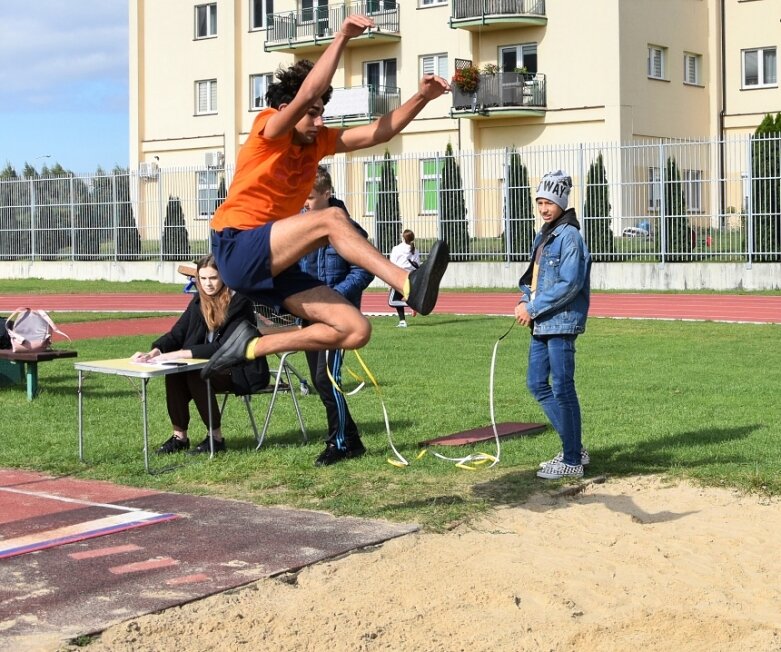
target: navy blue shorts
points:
(244, 262)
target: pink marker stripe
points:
(104, 552)
(140, 566)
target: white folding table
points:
(143, 371)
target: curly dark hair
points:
(290, 80)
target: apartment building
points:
(549, 73)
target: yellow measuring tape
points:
(469, 462)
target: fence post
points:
(73, 218)
(582, 192)
(749, 206)
(33, 218)
(506, 205)
(115, 216)
(662, 205)
(160, 218)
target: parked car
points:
(635, 232)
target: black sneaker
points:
(203, 447)
(233, 351)
(424, 281)
(173, 445)
(332, 454)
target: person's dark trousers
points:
(180, 389)
(342, 431)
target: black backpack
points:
(5, 339)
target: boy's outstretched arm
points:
(386, 127)
(319, 78)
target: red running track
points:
(705, 307)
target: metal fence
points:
(643, 201)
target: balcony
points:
(360, 105)
(311, 30)
(501, 95)
(487, 15)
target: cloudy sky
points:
(64, 81)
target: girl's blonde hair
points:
(214, 308)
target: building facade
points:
(537, 74)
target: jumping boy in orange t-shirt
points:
(260, 234)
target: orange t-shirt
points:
(273, 177)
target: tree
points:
(596, 212)
(519, 210)
(766, 189)
(452, 208)
(676, 223)
(128, 238)
(14, 200)
(387, 212)
(175, 243)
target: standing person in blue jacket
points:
(350, 281)
(554, 303)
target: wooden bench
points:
(15, 366)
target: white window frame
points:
(210, 24)
(765, 78)
(656, 64)
(424, 178)
(257, 98)
(654, 189)
(382, 65)
(692, 69)
(432, 3)
(208, 187)
(209, 94)
(260, 22)
(692, 190)
(434, 63)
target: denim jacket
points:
(560, 304)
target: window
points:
(431, 3)
(314, 9)
(759, 67)
(206, 20)
(513, 57)
(434, 64)
(692, 190)
(654, 189)
(429, 185)
(208, 191)
(259, 11)
(378, 6)
(371, 186)
(656, 62)
(258, 85)
(692, 64)
(206, 96)
(380, 75)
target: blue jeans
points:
(550, 378)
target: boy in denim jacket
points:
(554, 304)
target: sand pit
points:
(629, 564)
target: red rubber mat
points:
(510, 429)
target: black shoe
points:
(203, 447)
(332, 454)
(173, 445)
(233, 351)
(424, 281)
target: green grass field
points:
(681, 399)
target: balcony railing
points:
(502, 90)
(465, 13)
(360, 104)
(317, 26)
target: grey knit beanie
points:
(555, 186)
